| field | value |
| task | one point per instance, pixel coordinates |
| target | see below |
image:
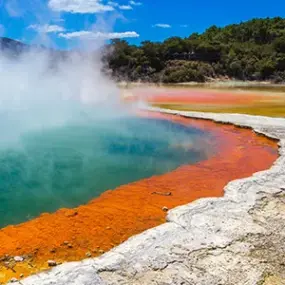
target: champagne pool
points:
(68, 165)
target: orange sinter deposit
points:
(90, 230)
(198, 97)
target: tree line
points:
(253, 50)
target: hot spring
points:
(69, 165)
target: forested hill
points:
(253, 50)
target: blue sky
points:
(65, 23)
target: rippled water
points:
(69, 165)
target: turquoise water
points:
(69, 165)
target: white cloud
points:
(114, 4)
(47, 28)
(164, 26)
(98, 35)
(135, 3)
(183, 26)
(122, 7)
(79, 6)
(125, 7)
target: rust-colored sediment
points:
(201, 97)
(70, 234)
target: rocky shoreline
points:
(237, 239)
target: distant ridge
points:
(12, 47)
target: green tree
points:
(250, 50)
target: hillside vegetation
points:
(253, 50)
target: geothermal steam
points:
(39, 90)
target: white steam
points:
(40, 90)
(43, 88)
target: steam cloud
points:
(42, 89)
